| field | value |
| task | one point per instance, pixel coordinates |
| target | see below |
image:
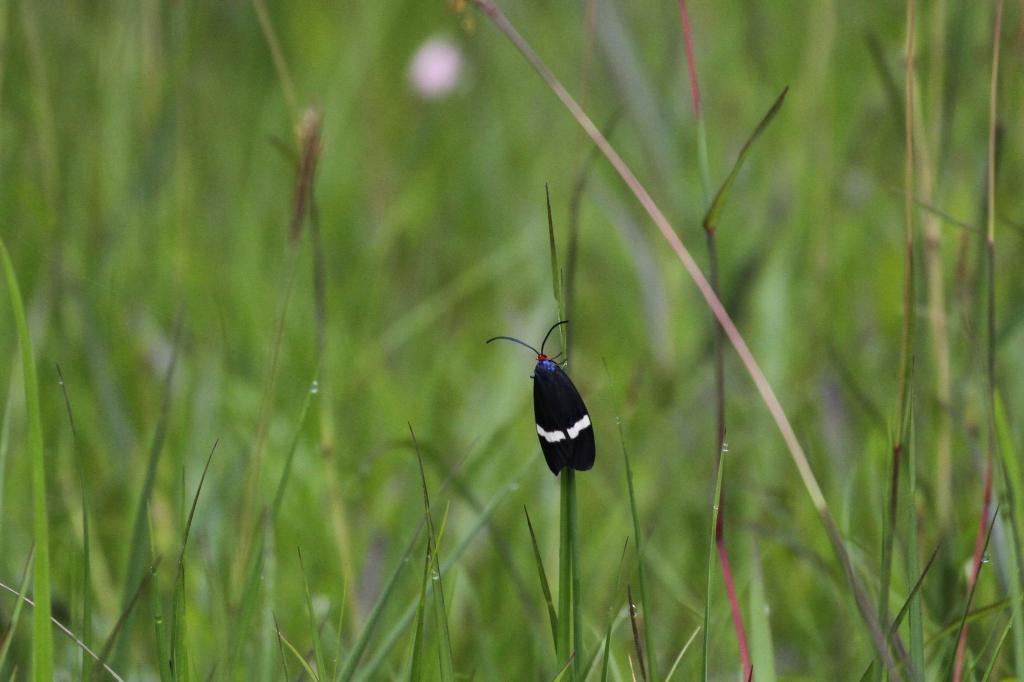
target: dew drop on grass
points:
(434, 576)
(315, 388)
(725, 446)
(985, 558)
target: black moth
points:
(563, 424)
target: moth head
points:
(542, 358)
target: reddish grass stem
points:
(719, 363)
(634, 619)
(691, 64)
(979, 549)
(730, 591)
(980, 540)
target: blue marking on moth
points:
(547, 365)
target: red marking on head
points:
(541, 357)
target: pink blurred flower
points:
(436, 68)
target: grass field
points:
(256, 237)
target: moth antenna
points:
(553, 328)
(521, 343)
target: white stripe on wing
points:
(575, 429)
(550, 436)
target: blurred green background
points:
(147, 175)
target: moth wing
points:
(557, 407)
(584, 450)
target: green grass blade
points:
(543, 577)
(437, 589)
(711, 218)
(86, 669)
(940, 214)
(192, 509)
(577, 598)
(557, 276)
(682, 652)
(915, 591)
(762, 650)
(951, 657)
(280, 650)
(995, 654)
(566, 670)
(611, 617)
(8, 636)
(564, 576)
(429, 568)
(258, 665)
(888, 531)
(702, 158)
(705, 660)
(42, 634)
(416, 663)
(440, 609)
(181, 654)
(179, 637)
(556, 290)
(905, 609)
(341, 623)
(164, 661)
(1014, 515)
(994, 641)
(139, 543)
(389, 641)
(917, 660)
(67, 633)
(359, 648)
(282, 483)
(112, 638)
(463, 487)
(979, 614)
(241, 629)
(639, 543)
(887, 79)
(318, 649)
(606, 651)
(5, 441)
(250, 593)
(295, 652)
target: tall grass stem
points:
(639, 542)
(42, 634)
